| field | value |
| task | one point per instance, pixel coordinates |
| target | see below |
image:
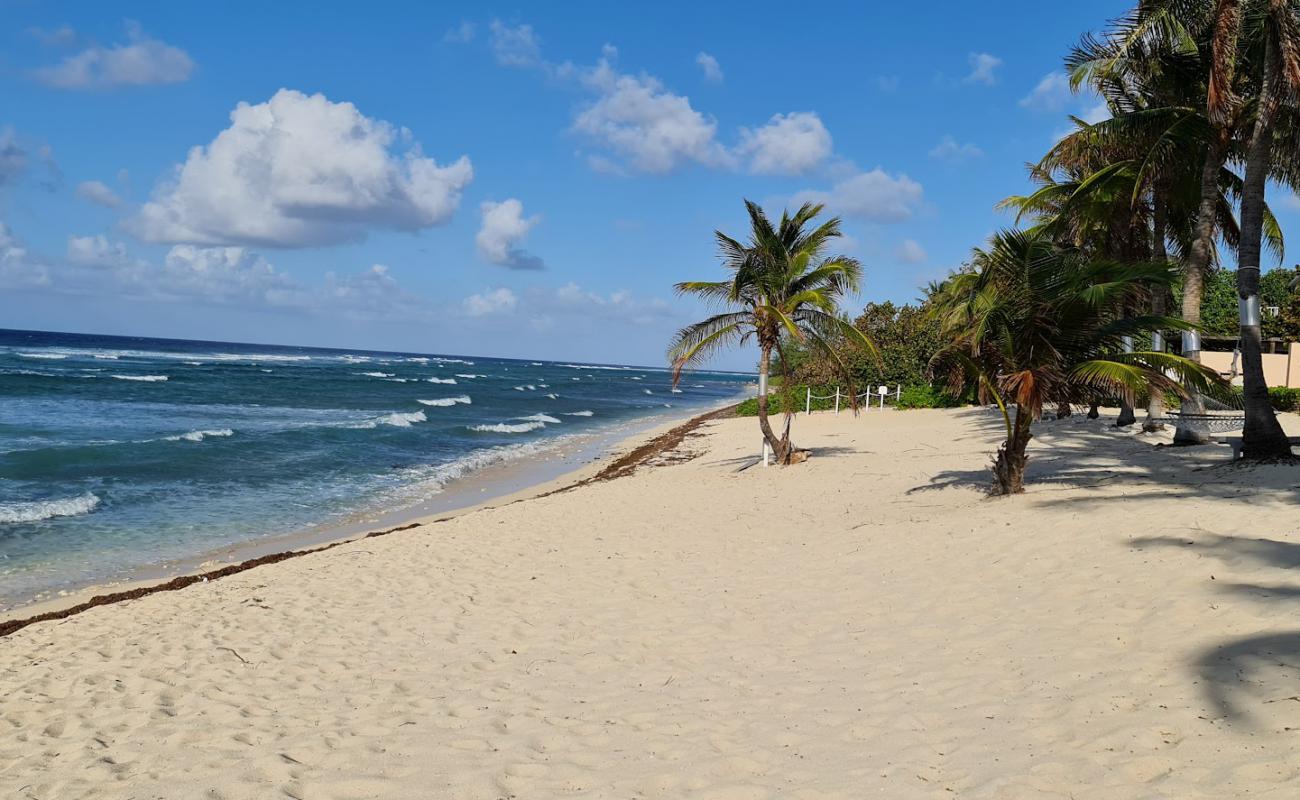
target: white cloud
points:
(98, 193)
(1051, 94)
(887, 83)
(62, 36)
(910, 252)
(96, 251)
(461, 34)
(301, 170)
(982, 66)
(490, 301)
(503, 227)
(709, 64)
(572, 300)
(140, 61)
(1096, 112)
(949, 149)
(874, 196)
(789, 144)
(13, 156)
(18, 267)
(515, 46)
(647, 127)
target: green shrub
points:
(1283, 398)
(798, 396)
(927, 396)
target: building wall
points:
(1279, 370)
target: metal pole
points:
(807, 403)
(837, 399)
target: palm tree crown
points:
(782, 287)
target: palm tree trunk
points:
(1159, 255)
(1126, 415)
(1063, 410)
(1198, 263)
(777, 444)
(1009, 468)
(1262, 436)
(1094, 411)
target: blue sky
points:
(519, 180)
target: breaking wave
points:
(47, 509)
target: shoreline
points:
(618, 456)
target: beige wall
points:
(1279, 370)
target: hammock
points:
(1218, 417)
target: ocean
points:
(122, 453)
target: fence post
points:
(807, 403)
(766, 449)
(837, 399)
(898, 394)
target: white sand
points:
(863, 625)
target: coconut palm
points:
(1037, 324)
(782, 288)
(1257, 44)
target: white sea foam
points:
(469, 375)
(579, 413)
(505, 427)
(553, 396)
(397, 419)
(536, 363)
(463, 399)
(675, 390)
(106, 356)
(452, 361)
(593, 366)
(50, 356)
(198, 436)
(376, 374)
(451, 381)
(638, 377)
(540, 418)
(47, 509)
(145, 378)
(647, 391)
(254, 357)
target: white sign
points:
(882, 390)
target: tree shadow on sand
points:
(1078, 453)
(1246, 678)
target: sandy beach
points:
(866, 624)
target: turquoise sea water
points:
(118, 453)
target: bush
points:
(1283, 398)
(927, 396)
(798, 396)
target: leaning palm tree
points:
(1037, 323)
(784, 289)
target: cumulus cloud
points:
(982, 66)
(544, 304)
(910, 252)
(19, 268)
(645, 126)
(96, 251)
(873, 196)
(516, 46)
(461, 34)
(949, 149)
(789, 144)
(490, 301)
(13, 156)
(62, 36)
(1052, 93)
(503, 227)
(710, 66)
(140, 61)
(98, 193)
(301, 170)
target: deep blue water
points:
(117, 453)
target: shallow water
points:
(117, 453)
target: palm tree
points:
(783, 288)
(1259, 40)
(1038, 323)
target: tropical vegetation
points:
(783, 288)
(1036, 324)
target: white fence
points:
(881, 391)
